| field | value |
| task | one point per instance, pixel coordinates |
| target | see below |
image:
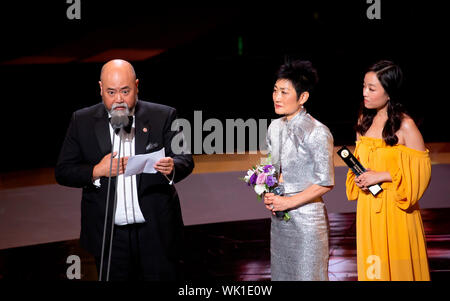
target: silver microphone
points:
(119, 120)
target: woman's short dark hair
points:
(391, 77)
(301, 74)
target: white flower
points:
(260, 188)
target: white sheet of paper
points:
(143, 163)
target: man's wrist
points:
(95, 174)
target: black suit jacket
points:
(88, 140)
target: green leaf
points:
(286, 217)
(259, 197)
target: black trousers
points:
(129, 260)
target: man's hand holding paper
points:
(164, 165)
(149, 163)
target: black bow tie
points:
(126, 128)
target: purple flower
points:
(253, 179)
(267, 168)
(270, 181)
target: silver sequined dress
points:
(303, 148)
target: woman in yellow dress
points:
(390, 235)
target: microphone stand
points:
(107, 205)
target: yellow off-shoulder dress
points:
(389, 230)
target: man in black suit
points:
(148, 222)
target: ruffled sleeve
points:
(351, 189)
(411, 176)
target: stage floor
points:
(236, 251)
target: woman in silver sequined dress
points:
(301, 150)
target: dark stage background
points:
(218, 58)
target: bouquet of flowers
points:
(263, 179)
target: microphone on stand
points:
(118, 121)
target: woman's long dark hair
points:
(391, 77)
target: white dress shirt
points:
(127, 210)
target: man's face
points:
(118, 87)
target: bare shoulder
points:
(409, 134)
